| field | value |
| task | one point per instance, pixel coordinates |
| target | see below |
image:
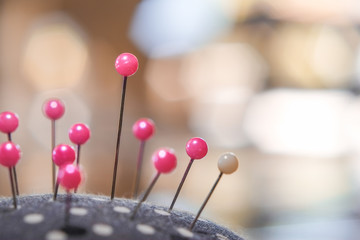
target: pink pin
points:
(79, 134)
(196, 148)
(9, 122)
(126, 64)
(9, 157)
(69, 176)
(63, 154)
(164, 161)
(53, 109)
(143, 129)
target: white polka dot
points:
(121, 209)
(202, 220)
(100, 199)
(162, 212)
(145, 229)
(78, 211)
(56, 235)
(185, 232)
(102, 229)
(33, 218)
(221, 237)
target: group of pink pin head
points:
(9, 152)
(63, 155)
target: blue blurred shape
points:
(163, 28)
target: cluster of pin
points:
(69, 174)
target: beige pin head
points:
(228, 163)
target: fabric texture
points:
(97, 217)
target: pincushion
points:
(81, 216)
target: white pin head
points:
(228, 163)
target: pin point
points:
(126, 64)
(9, 122)
(53, 109)
(164, 161)
(227, 163)
(9, 157)
(142, 129)
(196, 148)
(63, 154)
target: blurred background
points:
(276, 82)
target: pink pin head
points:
(143, 129)
(196, 148)
(79, 133)
(63, 154)
(54, 109)
(164, 160)
(69, 176)
(9, 122)
(126, 64)
(9, 154)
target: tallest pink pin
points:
(53, 109)
(126, 64)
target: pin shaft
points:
(56, 189)
(12, 188)
(181, 184)
(206, 200)
(15, 181)
(52, 148)
(14, 171)
(118, 137)
(77, 160)
(146, 194)
(138, 169)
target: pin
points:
(196, 148)
(126, 64)
(63, 154)
(79, 134)
(227, 163)
(69, 177)
(9, 157)
(53, 109)
(142, 129)
(9, 122)
(164, 161)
